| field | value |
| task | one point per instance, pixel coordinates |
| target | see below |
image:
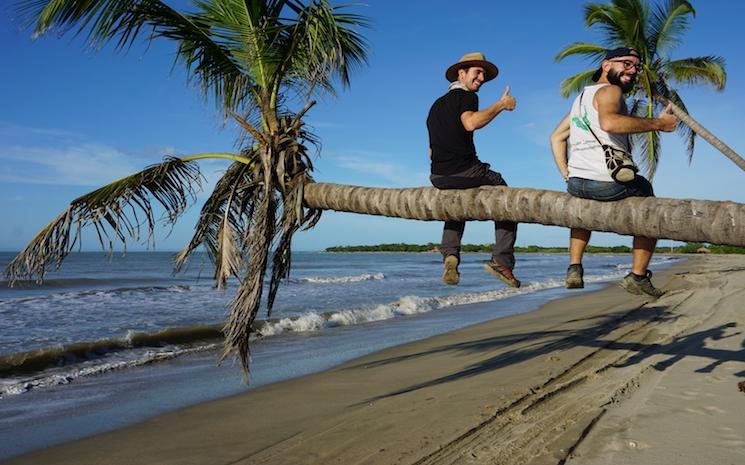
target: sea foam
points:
(343, 279)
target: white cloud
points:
(78, 165)
(60, 157)
(9, 130)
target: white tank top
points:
(586, 158)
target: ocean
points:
(110, 340)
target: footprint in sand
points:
(714, 379)
(731, 443)
(713, 409)
(686, 395)
(708, 410)
(729, 437)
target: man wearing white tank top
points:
(581, 160)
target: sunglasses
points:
(627, 65)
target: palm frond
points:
(229, 258)
(206, 58)
(245, 305)
(246, 29)
(113, 211)
(292, 176)
(591, 51)
(709, 70)
(622, 22)
(279, 213)
(228, 208)
(575, 84)
(319, 46)
(667, 25)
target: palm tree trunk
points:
(705, 134)
(683, 220)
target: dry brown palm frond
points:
(229, 206)
(113, 211)
(256, 134)
(229, 259)
(245, 305)
(278, 214)
(294, 217)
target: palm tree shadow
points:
(693, 344)
(688, 345)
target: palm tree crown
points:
(252, 57)
(654, 31)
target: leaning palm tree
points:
(251, 57)
(654, 32)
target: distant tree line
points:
(691, 247)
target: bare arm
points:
(608, 103)
(559, 146)
(473, 120)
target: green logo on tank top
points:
(583, 123)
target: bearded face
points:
(624, 80)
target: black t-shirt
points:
(452, 146)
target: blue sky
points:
(73, 118)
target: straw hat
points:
(472, 59)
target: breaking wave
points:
(343, 279)
(63, 364)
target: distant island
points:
(690, 247)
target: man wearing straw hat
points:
(454, 165)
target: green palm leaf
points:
(667, 25)
(622, 22)
(708, 70)
(591, 51)
(115, 211)
(207, 58)
(575, 84)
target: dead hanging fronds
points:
(117, 211)
(245, 305)
(278, 214)
(222, 220)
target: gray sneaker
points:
(642, 286)
(450, 274)
(574, 277)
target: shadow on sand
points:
(595, 336)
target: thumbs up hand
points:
(508, 101)
(667, 120)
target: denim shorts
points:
(608, 191)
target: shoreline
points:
(540, 387)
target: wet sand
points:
(601, 378)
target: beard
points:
(615, 79)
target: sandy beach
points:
(601, 378)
